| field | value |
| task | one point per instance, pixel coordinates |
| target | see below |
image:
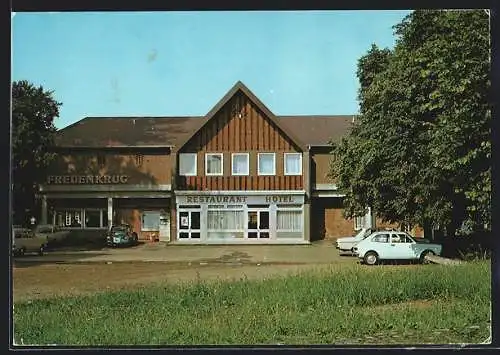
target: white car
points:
(25, 240)
(51, 232)
(346, 244)
(394, 246)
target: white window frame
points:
(221, 165)
(300, 164)
(293, 209)
(83, 216)
(195, 164)
(189, 230)
(225, 208)
(247, 155)
(274, 164)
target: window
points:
(290, 221)
(213, 164)
(139, 159)
(381, 238)
(150, 221)
(293, 164)
(81, 218)
(266, 164)
(73, 218)
(219, 220)
(359, 222)
(403, 238)
(187, 164)
(239, 164)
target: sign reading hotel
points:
(245, 199)
(86, 179)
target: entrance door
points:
(164, 232)
(189, 224)
(258, 223)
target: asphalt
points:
(315, 253)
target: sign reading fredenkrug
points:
(86, 179)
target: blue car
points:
(121, 235)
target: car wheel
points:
(371, 258)
(423, 260)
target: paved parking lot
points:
(316, 253)
(88, 271)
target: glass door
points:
(258, 223)
(189, 224)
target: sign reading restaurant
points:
(87, 179)
(246, 199)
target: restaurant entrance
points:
(258, 222)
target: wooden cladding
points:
(240, 126)
(236, 183)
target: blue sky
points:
(182, 63)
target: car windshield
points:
(362, 234)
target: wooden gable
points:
(240, 123)
(240, 126)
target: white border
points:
(195, 164)
(221, 165)
(284, 164)
(248, 164)
(274, 164)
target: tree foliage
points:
(420, 151)
(33, 112)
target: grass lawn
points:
(413, 304)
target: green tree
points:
(33, 112)
(420, 151)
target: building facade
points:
(239, 174)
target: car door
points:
(401, 246)
(380, 243)
(29, 241)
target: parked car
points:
(24, 240)
(345, 244)
(386, 245)
(121, 235)
(52, 232)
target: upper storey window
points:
(240, 165)
(213, 164)
(293, 164)
(267, 164)
(187, 164)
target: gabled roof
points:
(239, 86)
(139, 132)
(95, 132)
(318, 130)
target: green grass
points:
(355, 305)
